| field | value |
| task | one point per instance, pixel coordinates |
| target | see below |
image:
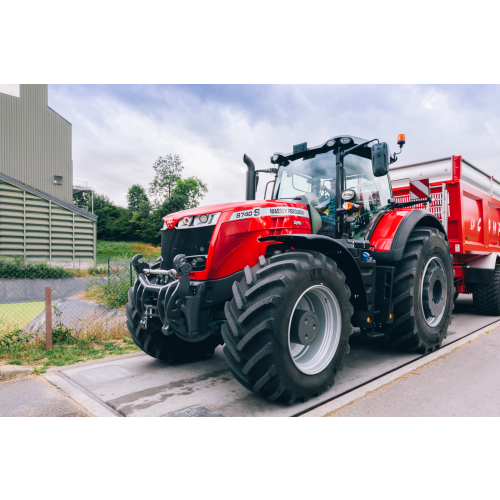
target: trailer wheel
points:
(486, 298)
(288, 326)
(424, 293)
(170, 348)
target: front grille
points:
(185, 241)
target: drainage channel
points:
(90, 395)
(337, 396)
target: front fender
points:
(393, 230)
(335, 251)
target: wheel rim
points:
(318, 307)
(434, 291)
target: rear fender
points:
(393, 230)
(335, 251)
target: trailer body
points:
(467, 202)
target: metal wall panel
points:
(37, 228)
(35, 142)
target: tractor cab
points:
(342, 181)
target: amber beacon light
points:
(401, 140)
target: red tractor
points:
(281, 282)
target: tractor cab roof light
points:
(401, 143)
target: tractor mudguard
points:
(335, 251)
(394, 229)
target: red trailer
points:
(467, 202)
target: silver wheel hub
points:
(433, 291)
(314, 329)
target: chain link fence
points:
(85, 302)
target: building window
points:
(58, 179)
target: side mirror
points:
(380, 159)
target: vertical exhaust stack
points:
(250, 177)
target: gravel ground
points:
(464, 383)
(35, 397)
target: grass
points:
(20, 314)
(85, 340)
(124, 250)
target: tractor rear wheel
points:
(423, 293)
(288, 325)
(170, 348)
(486, 298)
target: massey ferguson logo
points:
(297, 222)
(271, 211)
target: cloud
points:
(119, 130)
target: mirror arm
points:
(349, 151)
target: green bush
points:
(15, 337)
(97, 271)
(112, 291)
(17, 268)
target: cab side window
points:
(372, 193)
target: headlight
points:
(199, 220)
(348, 195)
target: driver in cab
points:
(326, 206)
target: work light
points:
(348, 194)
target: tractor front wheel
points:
(288, 326)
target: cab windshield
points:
(315, 178)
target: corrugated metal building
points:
(37, 217)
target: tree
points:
(142, 219)
(135, 196)
(83, 200)
(187, 193)
(168, 170)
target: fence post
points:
(48, 319)
(131, 282)
(108, 268)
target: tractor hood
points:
(240, 210)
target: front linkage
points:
(174, 302)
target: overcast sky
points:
(120, 130)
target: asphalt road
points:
(35, 397)
(466, 383)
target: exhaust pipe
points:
(250, 177)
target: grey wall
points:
(38, 228)
(35, 142)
